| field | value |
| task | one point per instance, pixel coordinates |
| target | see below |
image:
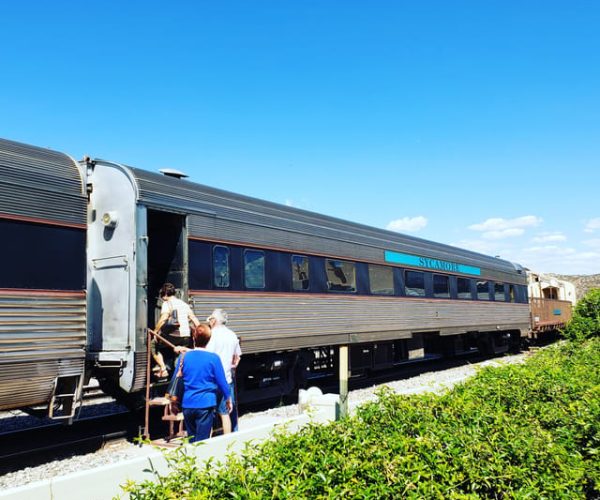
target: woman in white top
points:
(180, 336)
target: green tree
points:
(586, 317)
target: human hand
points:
(229, 405)
(179, 349)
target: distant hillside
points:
(583, 283)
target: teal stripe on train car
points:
(426, 262)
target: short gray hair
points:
(220, 315)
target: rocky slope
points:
(583, 283)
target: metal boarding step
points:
(163, 402)
(66, 395)
(169, 416)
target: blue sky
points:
(465, 122)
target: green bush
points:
(586, 317)
(520, 431)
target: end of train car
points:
(551, 303)
(43, 281)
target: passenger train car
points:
(551, 302)
(87, 245)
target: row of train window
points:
(228, 267)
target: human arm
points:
(237, 356)
(192, 317)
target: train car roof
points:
(40, 184)
(166, 192)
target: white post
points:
(343, 381)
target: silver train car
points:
(88, 244)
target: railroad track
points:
(413, 369)
(42, 444)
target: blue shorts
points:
(221, 406)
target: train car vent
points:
(169, 172)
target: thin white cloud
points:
(551, 257)
(561, 260)
(593, 243)
(302, 203)
(547, 252)
(550, 250)
(549, 237)
(410, 224)
(497, 228)
(504, 233)
(478, 246)
(592, 225)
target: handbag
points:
(175, 390)
(172, 324)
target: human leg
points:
(189, 419)
(234, 412)
(226, 421)
(158, 358)
(200, 420)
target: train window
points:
(441, 286)
(381, 279)
(483, 290)
(414, 283)
(463, 286)
(221, 266)
(341, 275)
(499, 295)
(300, 280)
(511, 293)
(254, 269)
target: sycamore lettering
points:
(438, 264)
(429, 263)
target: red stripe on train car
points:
(46, 222)
(47, 293)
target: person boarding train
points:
(177, 308)
(226, 345)
(203, 379)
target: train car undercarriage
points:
(264, 376)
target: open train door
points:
(167, 258)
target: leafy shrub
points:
(586, 317)
(520, 431)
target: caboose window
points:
(463, 288)
(300, 276)
(254, 269)
(221, 266)
(499, 295)
(381, 279)
(341, 275)
(483, 290)
(414, 283)
(441, 286)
